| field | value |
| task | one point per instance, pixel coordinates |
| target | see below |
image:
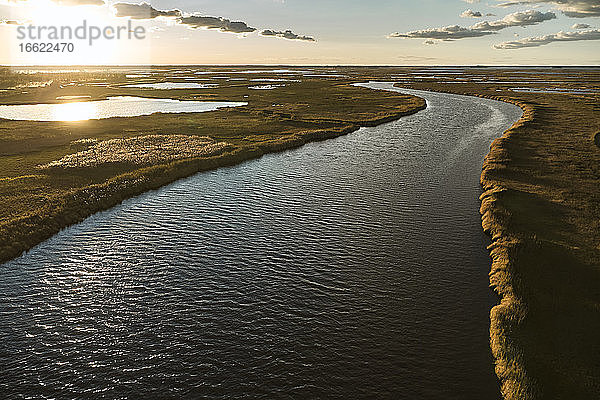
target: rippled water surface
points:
(122, 106)
(350, 268)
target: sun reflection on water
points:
(76, 111)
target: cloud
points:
(220, 23)
(451, 32)
(571, 8)
(142, 11)
(547, 39)
(287, 35)
(471, 14)
(524, 18)
(484, 28)
(580, 26)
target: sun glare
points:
(45, 12)
(45, 16)
(77, 111)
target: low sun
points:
(46, 12)
(49, 15)
(77, 111)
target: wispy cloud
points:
(571, 8)
(287, 35)
(142, 11)
(484, 28)
(220, 23)
(547, 39)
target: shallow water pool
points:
(123, 106)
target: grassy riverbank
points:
(540, 202)
(36, 201)
(541, 206)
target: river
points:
(350, 268)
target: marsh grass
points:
(112, 159)
(138, 150)
(541, 206)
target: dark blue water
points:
(351, 268)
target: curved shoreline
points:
(447, 142)
(111, 193)
(515, 381)
(511, 311)
(511, 251)
(513, 377)
(545, 278)
(24, 233)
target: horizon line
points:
(305, 65)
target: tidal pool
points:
(173, 85)
(265, 87)
(122, 106)
(270, 80)
(555, 90)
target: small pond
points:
(172, 85)
(124, 106)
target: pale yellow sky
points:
(346, 32)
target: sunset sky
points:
(316, 31)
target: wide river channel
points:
(350, 268)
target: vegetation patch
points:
(140, 150)
(88, 166)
